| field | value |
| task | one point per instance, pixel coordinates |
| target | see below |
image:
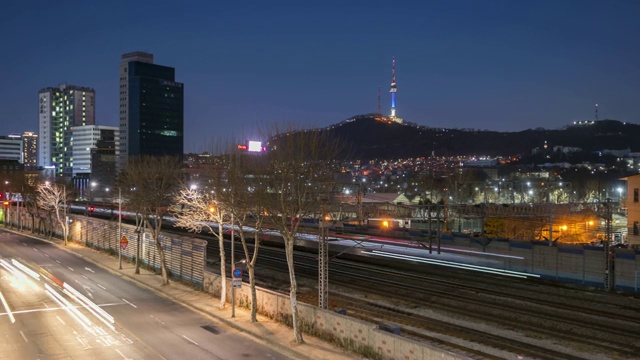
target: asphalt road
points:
(47, 312)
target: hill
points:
(371, 138)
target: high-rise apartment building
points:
(151, 108)
(11, 148)
(59, 109)
(30, 151)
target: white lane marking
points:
(86, 268)
(70, 268)
(195, 343)
(88, 291)
(121, 354)
(47, 255)
(125, 300)
(34, 249)
(24, 337)
(56, 309)
(58, 261)
(84, 342)
(86, 278)
(6, 307)
(62, 321)
(101, 287)
(24, 244)
(45, 305)
(157, 320)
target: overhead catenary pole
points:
(323, 264)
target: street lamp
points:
(119, 228)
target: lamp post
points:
(119, 228)
(7, 202)
(233, 289)
(64, 209)
(93, 185)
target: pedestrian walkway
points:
(272, 333)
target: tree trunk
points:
(223, 264)
(163, 264)
(294, 288)
(156, 236)
(254, 298)
(137, 270)
(139, 230)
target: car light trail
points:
(90, 306)
(453, 264)
(25, 269)
(19, 278)
(65, 304)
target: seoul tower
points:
(393, 90)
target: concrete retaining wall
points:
(349, 330)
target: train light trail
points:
(484, 269)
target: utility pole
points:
(608, 255)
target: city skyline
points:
(465, 64)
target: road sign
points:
(237, 273)
(124, 242)
(236, 283)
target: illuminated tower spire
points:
(393, 89)
(596, 112)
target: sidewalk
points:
(273, 334)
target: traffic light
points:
(91, 209)
(6, 203)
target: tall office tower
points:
(151, 108)
(30, 151)
(83, 140)
(60, 109)
(11, 148)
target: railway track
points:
(577, 328)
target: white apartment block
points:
(60, 108)
(11, 147)
(85, 138)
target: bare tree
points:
(197, 209)
(297, 166)
(149, 184)
(244, 198)
(53, 198)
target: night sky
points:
(486, 64)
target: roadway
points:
(55, 305)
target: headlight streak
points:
(454, 265)
(89, 305)
(65, 304)
(26, 270)
(20, 279)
